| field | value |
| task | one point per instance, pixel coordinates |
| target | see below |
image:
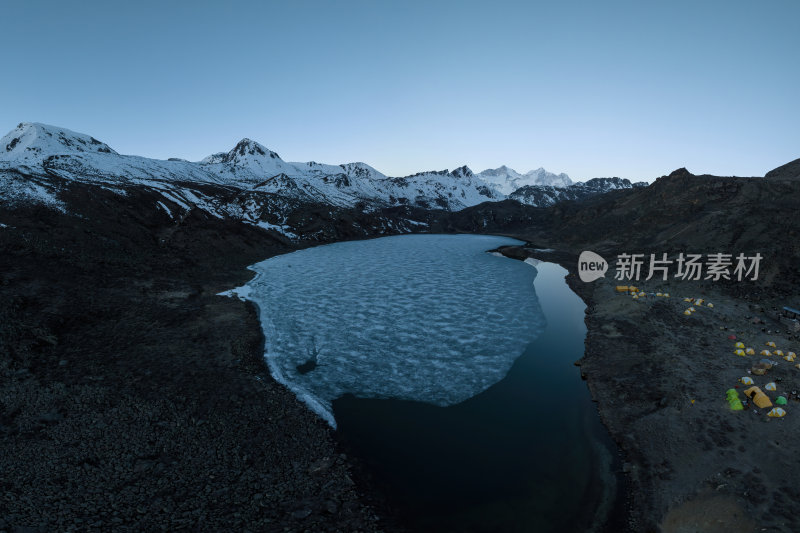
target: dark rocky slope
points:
(677, 213)
(134, 398)
(689, 465)
(790, 170)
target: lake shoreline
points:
(687, 460)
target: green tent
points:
(780, 400)
(733, 400)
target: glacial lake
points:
(447, 371)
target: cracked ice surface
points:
(431, 318)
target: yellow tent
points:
(771, 386)
(750, 351)
(791, 354)
(776, 412)
(687, 312)
(687, 299)
(746, 380)
(789, 358)
(771, 344)
(700, 301)
(739, 344)
(758, 397)
(740, 352)
(779, 353)
(710, 305)
(765, 352)
(692, 309)
(622, 288)
(666, 295)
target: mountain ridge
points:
(37, 161)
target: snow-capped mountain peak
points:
(247, 147)
(508, 180)
(542, 177)
(462, 172)
(249, 161)
(244, 153)
(362, 170)
(545, 195)
(30, 142)
(502, 172)
(213, 158)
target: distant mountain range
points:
(546, 195)
(36, 160)
(508, 180)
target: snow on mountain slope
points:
(51, 157)
(345, 185)
(545, 195)
(252, 184)
(443, 189)
(362, 171)
(248, 162)
(31, 141)
(42, 149)
(16, 188)
(51, 152)
(508, 180)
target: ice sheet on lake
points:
(431, 318)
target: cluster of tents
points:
(754, 393)
(635, 293)
(742, 351)
(698, 302)
(761, 400)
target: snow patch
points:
(165, 208)
(15, 190)
(282, 229)
(243, 293)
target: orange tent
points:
(758, 397)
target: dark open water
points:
(527, 454)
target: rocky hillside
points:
(547, 195)
(680, 212)
(110, 325)
(790, 170)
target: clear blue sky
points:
(633, 89)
